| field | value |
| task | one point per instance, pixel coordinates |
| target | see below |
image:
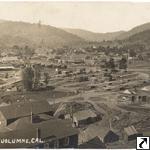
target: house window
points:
(144, 98)
(57, 144)
(46, 145)
(53, 144)
(133, 98)
(64, 142)
(37, 146)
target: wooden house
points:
(11, 113)
(53, 133)
(83, 117)
(130, 133)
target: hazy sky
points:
(94, 16)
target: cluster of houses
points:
(37, 120)
(33, 120)
(137, 96)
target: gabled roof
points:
(84, 114)
(129, 92)
(99, 131)
(130, 130)
(59, 128)
(146, 88)
(45, 117)
(52, 129)
(93, 143)
(22, 109)
(25, 122)
(20, 123)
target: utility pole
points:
(128, 59)
(110, 125)
(31, 115)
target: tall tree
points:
(27, 78)
(123, 63)
(37, 76)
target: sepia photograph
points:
(75, 75)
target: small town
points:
(89, 98)
(87, 95)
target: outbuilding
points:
(83, 117)
(94, 143)
(130, 133)
(105, 134)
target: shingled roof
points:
(84, 114)
(22, 109)
(130, 130)
(94, 143)
(54, 128)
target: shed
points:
(130, 133)
(84, 117)
(105, 134)
(94, 143)
(110, 136)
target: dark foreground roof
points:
(22, 109)
(52, 129)
(24, 122)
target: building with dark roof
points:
(94, 143)
(10, 113)
(110, 137)
(83, 117)
(53, 133)
(105, 134)
(130, 133)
